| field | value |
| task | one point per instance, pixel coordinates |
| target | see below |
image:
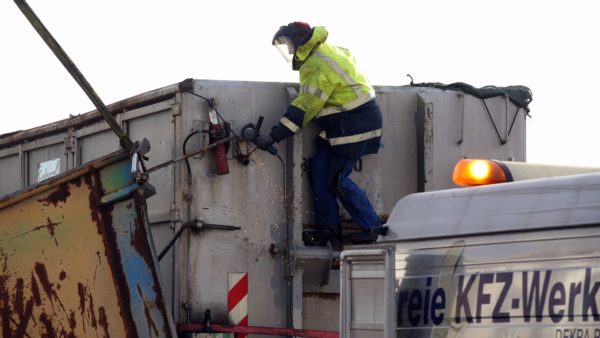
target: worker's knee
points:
(342, 184)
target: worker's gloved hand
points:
(264, 141)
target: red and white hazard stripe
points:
(237, 299)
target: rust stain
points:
(18, 296)
(102, 216)
(147, 306)
(91, 311)
(22, 309)
(35, 291)
(5, 310)
(17, 309)
(81, 292)
(72, 321)
(60, 195)
(31, 306)
(50, 332)
(87, 311)
(50, 226)
(42, 274)
(72, 326)
(139, 241)
(94, 202)
(104, 321)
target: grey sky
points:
(128, 47)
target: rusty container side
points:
(76, 258)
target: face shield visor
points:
(285, 47)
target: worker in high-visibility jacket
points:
(338, 96)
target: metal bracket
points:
(316, 263)
(502, 141)
(195, 224)
(462, 118)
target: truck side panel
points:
(539, 284)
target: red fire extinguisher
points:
(216, 133)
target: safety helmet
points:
(289, 38)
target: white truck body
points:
(517, 259)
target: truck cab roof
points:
(568, 201)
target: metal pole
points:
(74, 71)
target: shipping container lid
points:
(567, 201)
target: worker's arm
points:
(315, 88)
(289, 124)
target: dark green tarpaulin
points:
(521, 96)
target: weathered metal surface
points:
(74, 263)
(82, 120)
(195, 271)
(458, 126)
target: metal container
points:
(425, 132)
(78, 259)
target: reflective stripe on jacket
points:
(336, 93)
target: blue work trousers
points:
(330, 179)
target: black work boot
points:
(362, 237)
(330, 233)
(379, 230)
(333, 234)
(367, 236)
(313, 238)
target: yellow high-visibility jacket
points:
(337, 94)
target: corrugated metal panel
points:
(155, 124)
(37, 156)
(94, 142)
(391, 174)
(10, 167)
(78, 262)
(82, 120)
(459, 126)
